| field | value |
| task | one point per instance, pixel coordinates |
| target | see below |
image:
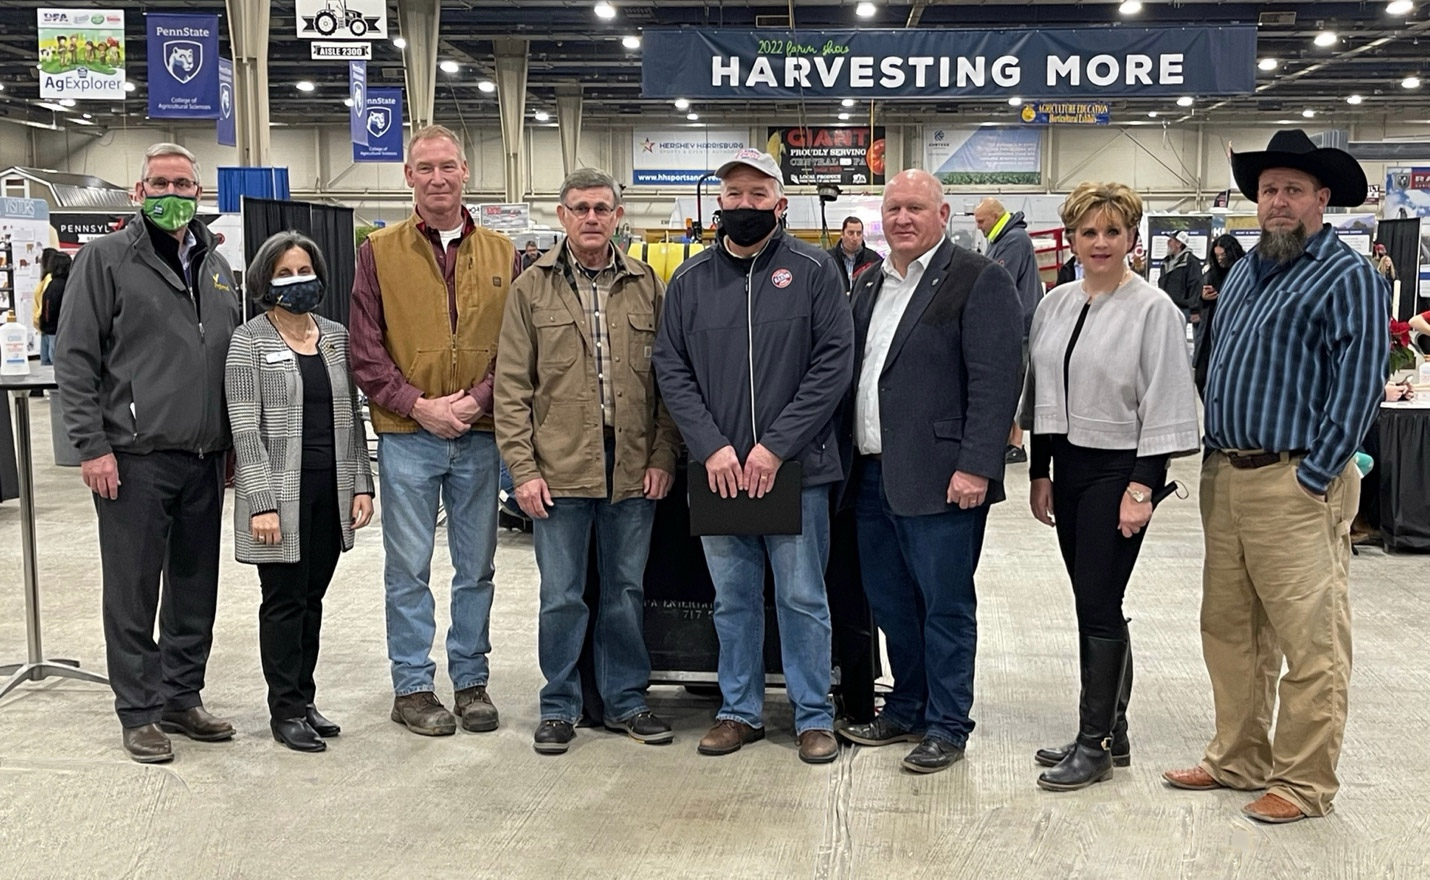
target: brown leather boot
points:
(423, 714)
(475, 709)
(818, 747)
(147, 744)
(727, 736)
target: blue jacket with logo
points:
(784, 313)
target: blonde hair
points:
(1119, 200)
(431, 132)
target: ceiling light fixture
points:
(1131, 7)
(682, 104)
(1015, 101)
(87, 116)
(1325, 38)
(865, 10)
(1410, 82)
(1400, 7)
(631, 41)
(347, 102)
(1152, 114)
(843, 117)
(692, 116)
(1185, 101)
(53, 108)
(487, 86)
(129, 87)
(541, 116)
(847, 102)
(400, 42)
(66, 102)
(1308, 113)
(450, 66)
(304, 86)
(604, 10)
(1354, 99)
(1268, 64)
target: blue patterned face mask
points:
(298, 294)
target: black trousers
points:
(1088, 486)
(850, 619)
(291, 613)
(166, 521)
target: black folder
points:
(777, 513)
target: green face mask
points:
(170, 212)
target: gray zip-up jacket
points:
(140, 368)
(1014, 251)
(786, 311)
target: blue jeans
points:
(918, 575)
(622, 664)
(737, 566)
(415, 470)
(47, 349)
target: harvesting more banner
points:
(1088, 63)
(183, 66)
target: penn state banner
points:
(227, 130)
(383, 120)
(183, 66)
(357, 98)
(1086, 63)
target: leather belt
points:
(1246, 460)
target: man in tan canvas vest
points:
(427, 308)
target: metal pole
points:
(27, 524)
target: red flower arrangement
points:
(1402, 355)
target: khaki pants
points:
(1274, 583)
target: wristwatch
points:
(1137, 494)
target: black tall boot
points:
(1104, 664)
(1121, 747)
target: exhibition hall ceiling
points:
(1313, 56)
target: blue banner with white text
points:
(357, 98)
(1085, 63)
(183, 66)
(382, 117)
(227, 129)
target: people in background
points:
(529, 255)
(143, 335)
(850, 254)
(1380, 258)
(1010, 247)
(930, 459)
(1109, 399)
(1070, 270)
(1226, 253)
(590, 448)
(303, 482)
(427, 306)
(47, 340)
(753, 357)
(1181, 277)
(51, 299)
(1279, 484)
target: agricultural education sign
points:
(82, 53)
(848, 156)
(1082, 63)
(183, 66)
(382, 118)
(1066, 113)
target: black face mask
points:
(747, 226)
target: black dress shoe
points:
(932, 755)
(879, 732)
(147, 744)
(196, 724)
(322, 726)
(1121, 753)
(553, 737)
(297, 735)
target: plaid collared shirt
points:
(594, 290)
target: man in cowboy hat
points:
(1279, 487)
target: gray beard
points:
(1282, 247)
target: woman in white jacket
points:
(1109, 398)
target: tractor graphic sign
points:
(342, 19)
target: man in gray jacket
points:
(144, 332)
(753, 355)
(1010, 247)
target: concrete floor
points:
(385, 803)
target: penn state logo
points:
(183, 59)
(225, 99)
(379, 120)
(781, 277)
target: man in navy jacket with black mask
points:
(753, 356)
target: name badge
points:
(278, 356)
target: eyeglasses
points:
(181, 185)
(601, 211)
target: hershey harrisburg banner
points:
(225, 128)
(681, 156)
(849, 156)
(183, 66)
(383, 120)
(1086, 63)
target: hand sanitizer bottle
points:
(14, 345)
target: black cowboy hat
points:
(1336, 169)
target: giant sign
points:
(1085, 63)
(848, 156)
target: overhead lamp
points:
(52, 107)
(682, 104)
(400, 42)
(486, 86)
(692, 116)
(81, 122)
(843, 117)
(1308, 113)
(347, 102)
(87, 116)
(865, 10)
(1325, 38)
(1400, 7)
(1015, 101)
(1152, 114)
(450, 66)
(847, 102)
(604, 10)
(631, 41)
(1354, 99)
(1410, 82)
(1131, 7)
(1185, 101)
(2, 87)
(129, 86)
(1268, 64)
(541, 116)
(66, 102)
(304, 86)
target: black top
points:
(318, 453)
(1150, 470)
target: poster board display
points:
(848, 155)
(24, 234)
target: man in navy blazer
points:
(938, 336)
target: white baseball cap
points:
(1180, 235)
(757, 159)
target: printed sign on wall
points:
(962, 156)
(382, 118)
(850, 156)
(341, 19)
(82, 53)
(183, 66)
(1066, 113)
(680, 156)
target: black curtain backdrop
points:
(1402, 242)
(331, 227)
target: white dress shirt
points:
(888, 311)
